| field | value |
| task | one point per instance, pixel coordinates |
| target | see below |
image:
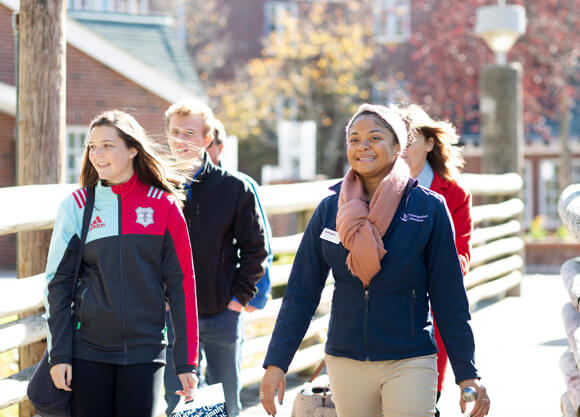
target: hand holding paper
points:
(209, 402)
(189, 384)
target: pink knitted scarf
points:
(361, 226)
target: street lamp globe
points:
(500, 26)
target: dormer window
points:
(115, 6)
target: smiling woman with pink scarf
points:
(389, 244)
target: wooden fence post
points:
(41, 129)
(502, 124)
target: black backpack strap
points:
(85, 230)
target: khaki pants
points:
(396, 388)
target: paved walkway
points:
(519, 342)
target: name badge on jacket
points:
(330, 235)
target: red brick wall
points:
(550, 252)
(7, 145)
(246, 27)
(6, 47)
(92, 87)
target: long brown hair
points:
(445, 158)
(151, 163)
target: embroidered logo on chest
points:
(97, 224)
(406, 217)
(144, 216)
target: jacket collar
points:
(207, 166)
(439, 184)
(425, 177)
(120, 189)
(336, 187)
(126, 187)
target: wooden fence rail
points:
(497, 263)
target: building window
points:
(274, 14)
(119, 6)
(94, 5)
(549, 193)
(392, 20)
(75, 146)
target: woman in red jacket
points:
(435, 163)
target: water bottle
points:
(469, 395)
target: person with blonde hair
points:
(137, 255)
(436, 162)
(389, 244)
(229, 249)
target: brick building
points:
(393, 21)
(119, 55)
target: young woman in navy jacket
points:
(435, 163)
(108, 347)
(389, 244)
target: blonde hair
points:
(445, 158)
(191, 107)
(150, 163)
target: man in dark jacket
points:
(215, 150)
(220, 209)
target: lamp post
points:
(501, 112)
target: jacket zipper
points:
(413, 297)
(122, 276)
(407, 196)
(197, 223)
(81, 308)
(366, 316)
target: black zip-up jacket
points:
(220, 208)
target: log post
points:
(41, 129)
(502, 123)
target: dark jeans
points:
(220, 343)
(102, 389)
